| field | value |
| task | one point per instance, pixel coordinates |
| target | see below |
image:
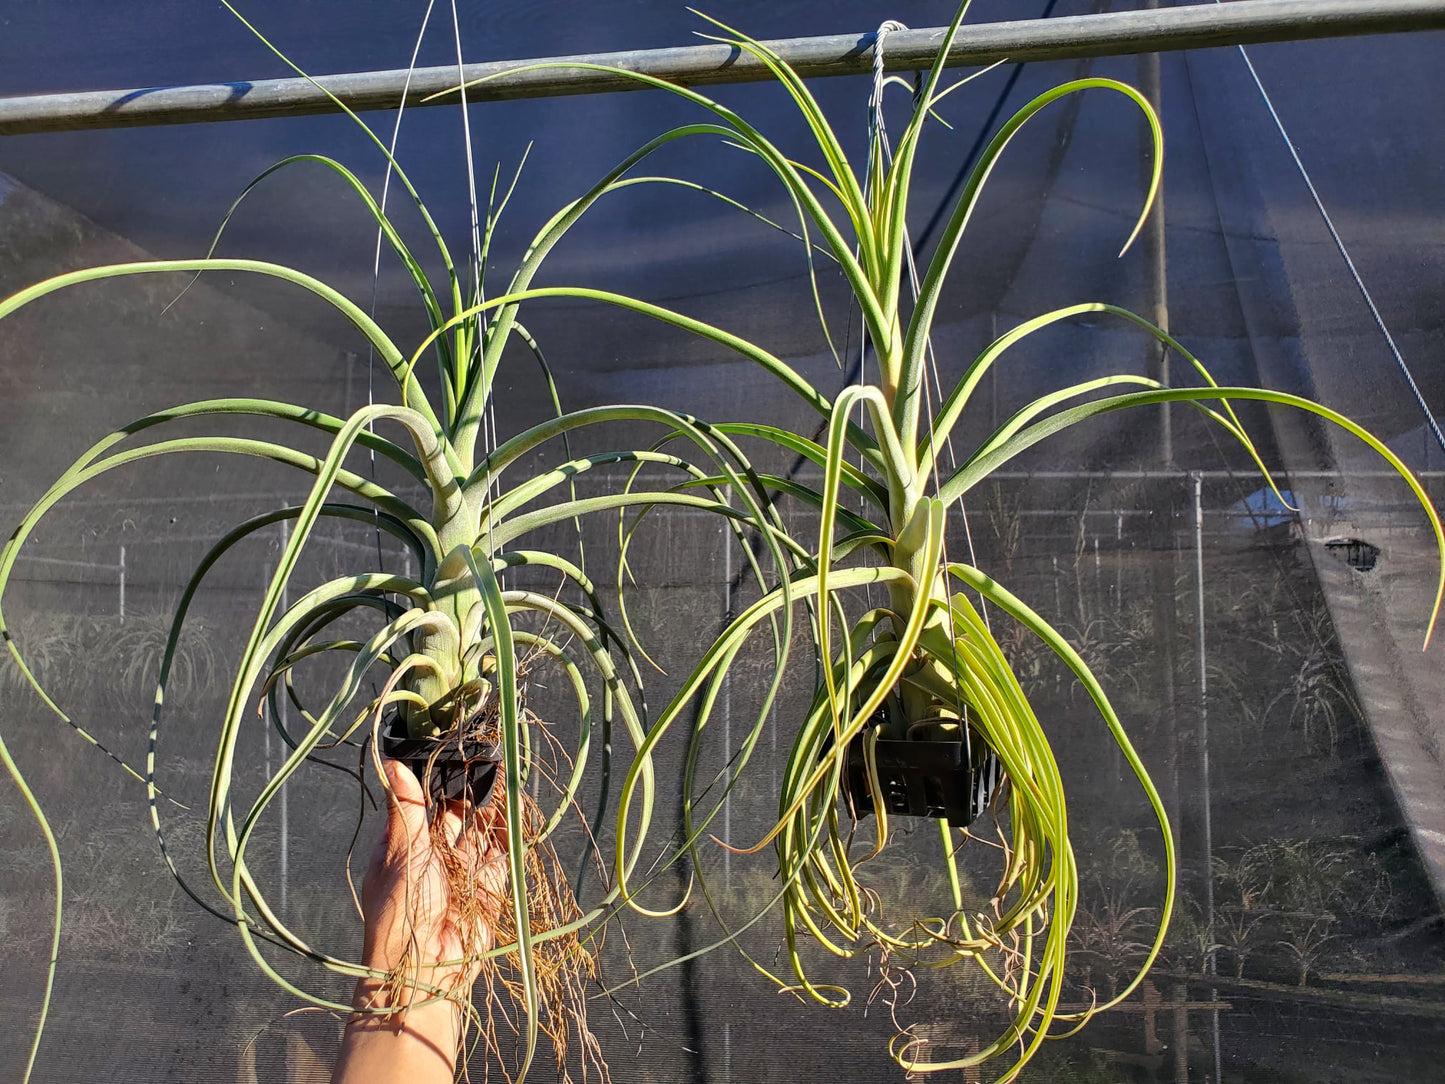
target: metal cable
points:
(1345, 254)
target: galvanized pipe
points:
(1197, 26)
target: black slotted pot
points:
(468, 767)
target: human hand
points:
(430, 902)
(432, 890)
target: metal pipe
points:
(727, 716)
(1197, 484)
(1424, 476)
(1197, 26)
(1156, 249)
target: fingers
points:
(469, 828)
(403, 782)
(464, 825)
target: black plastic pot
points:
(927, 774)
(451, 768)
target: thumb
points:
(408, 801)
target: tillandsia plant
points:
(922, 680)
(438, 673)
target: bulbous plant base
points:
(942, 769)
(449, 766)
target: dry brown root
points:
(481, 900)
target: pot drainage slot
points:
(451, 768)
(948, 780)
(1358, 554)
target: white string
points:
(1344, 252)
(471, 169)
(489, 408)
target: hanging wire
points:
(876, 120)
(875, 127)
(877, 124)
(1345, 254)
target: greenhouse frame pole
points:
(1196, 26)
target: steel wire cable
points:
(1345, 253)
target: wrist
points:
(423, 1033)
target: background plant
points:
(113, 659)
(1288, 904)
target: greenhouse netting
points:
(1254, 612)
